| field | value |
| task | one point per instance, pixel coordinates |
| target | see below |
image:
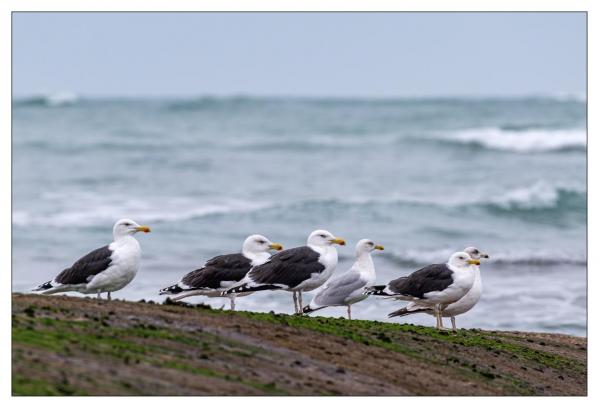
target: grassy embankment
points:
(77, 346)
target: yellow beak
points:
(473, 261)
(339, 241)
(276, 246)
(379, 247)
(143, 228)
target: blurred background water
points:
(423, 177)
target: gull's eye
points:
(127, 224)
(476, 251)
(260, 241)
(322, 236)
(371, 243)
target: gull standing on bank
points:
(105, 269)
(454, 309)
(223, 271)
(348, 288)
(296, 270)
(434, 285)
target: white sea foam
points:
(424, 256)
(91, 210)
(569, 97)
(61, 99)
(538, 195)
(50, 100)
(533, 140)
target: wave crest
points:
(539, 196)
(52, 100)
(420, 256)
(94, 211)
(527, 141)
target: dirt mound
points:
(81, 346)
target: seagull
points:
(105, 269)
(463, 305)
(434, 285)
(348, 288)
(297, 270)
(223, 271)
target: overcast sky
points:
(348, 54)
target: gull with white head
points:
(463, 305)
(348, 288)
(297, 270)
(434, 285)
(223, 271)
(106, 269)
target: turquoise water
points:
(424, 177)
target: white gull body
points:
(105, 269)
(223, 271)
(348, 288)
(295, 270)
(464, 304)
(435, 285)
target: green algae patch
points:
(373, 332)
(157, 347)
(30, 386)
(392, 336)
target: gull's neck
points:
(364, 263)
(461, 269)
(123, 237)
(321, 249)
(256, 256)
(327, 254)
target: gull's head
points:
(255, 244)
(126, 227)
(366, 246)
(462, 260)
(324, 238)
(476, 253)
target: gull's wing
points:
(337, 290)
(86, 267)
(229, 268)
(431, 278)
(287, 268)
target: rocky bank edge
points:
(82, 346)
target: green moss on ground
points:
(140, 344)
(120, 348)
(383, 335)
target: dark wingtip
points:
(378, 290)
(43, 286)
(233, 290)
(404, 312)
(172, 290)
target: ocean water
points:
(423, 177)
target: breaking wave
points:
(423, 256)
(537, 196)
(527, 141)
(92, 209)
(52, 100)
(97, 211)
